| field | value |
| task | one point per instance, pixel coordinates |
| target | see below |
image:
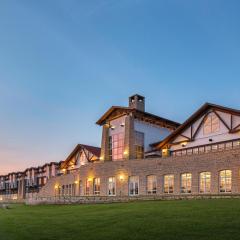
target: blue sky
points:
(64, 63)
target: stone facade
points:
(212, 162)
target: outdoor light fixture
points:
(76, 182)
(56, 186)
(125, 152)
(121, 177)
(122, 124)
(112, 127)
(184, 144)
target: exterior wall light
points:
(101, 158)
(56, 186)
(121, 178)
(184, 144)
(76, 182)
(125, 152)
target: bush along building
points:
(144, 155)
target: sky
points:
(64, 63)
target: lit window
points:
(116, 145)
(168, 183)
(226, 181)
(87, 190)
(211, 124)
(111, 186)
(96, 186)
(186, 183)
(205, 182)
(133, 185)
(139, 145)
(151, 184)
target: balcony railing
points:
(213, 147)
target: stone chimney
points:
(137, 102)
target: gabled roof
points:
(126, 110)
(96, 151)
(108, 113)
(198, 114)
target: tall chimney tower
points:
(137, 102)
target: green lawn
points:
(193, 219)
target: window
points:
(226, 181)
(117, 146)
(133, 185)
(186, 183)
(211, 124)
(195, 151)
(151, 184)
(96, 186)
(168, 183)
(110, 147)
(87, 190)
(111, 186)
(139, 145)
(205, 182)
(189, 151)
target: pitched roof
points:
(126, 110)
(96, 151)
(199, 113)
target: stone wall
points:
(212, 162)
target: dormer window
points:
(211, 124)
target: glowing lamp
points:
(184, 144)
(121, 177)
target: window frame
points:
(153, 184)
(225, 178)
(134, 189)
(207, 176)
(185, 189)
(112, 186)
(168, 185)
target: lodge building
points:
(143, 154)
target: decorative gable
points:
(210, 124)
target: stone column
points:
(105, 143)
(129, 138)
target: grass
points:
(193, 219)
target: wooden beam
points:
(200, 124)
(185, 136)
(224, 123)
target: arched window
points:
(186, 183)
(211, 124)
(205, 182)
(168, 183)
(225, 181)
(152, 184)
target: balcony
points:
(213, 147)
